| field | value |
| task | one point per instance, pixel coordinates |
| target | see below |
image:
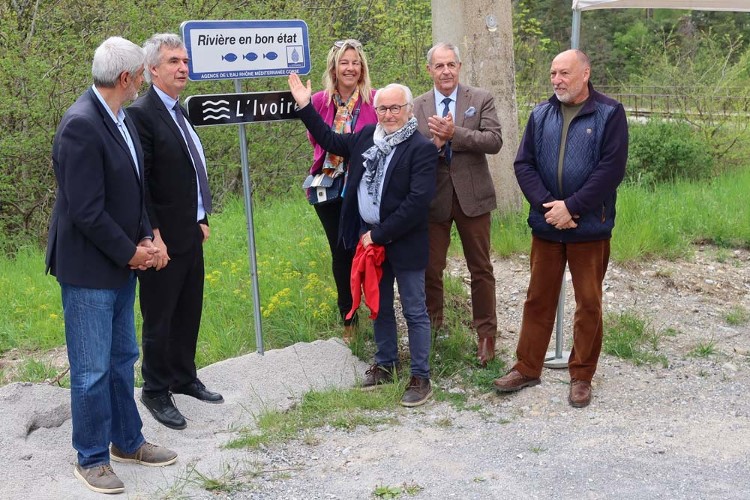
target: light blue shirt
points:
(120, 122)
(169, 102)
(451, 106)
(369, 211)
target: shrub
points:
(663, 151)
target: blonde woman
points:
(346, 104)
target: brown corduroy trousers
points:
(588, 263)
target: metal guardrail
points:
(662, 101)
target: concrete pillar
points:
(483, 32)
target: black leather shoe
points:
(164, 411)
(197, 390)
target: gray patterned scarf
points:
(376, 154)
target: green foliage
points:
(296, 288)
(628, 336)
(45, 58)
(703, 83)
(46, 48)
(665, 151)
(531, 48)
(510, 232)
(628, 46)
(32, 370)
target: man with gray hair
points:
(178, 201)
(390, 184)
(99, 234)
(462, 122)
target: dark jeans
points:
(411, 291)
(341, 258)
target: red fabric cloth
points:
(366, 274)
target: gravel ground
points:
(651, 432)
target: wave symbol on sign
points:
(220, 110)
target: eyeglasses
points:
(395, 109)
(351, 42)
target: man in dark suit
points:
(390, 184)
(178, 202)
(99, 233)
(462, 122)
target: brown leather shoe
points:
(485, 350)
(378, 375)
(417, 392)
(514, 381)
(580, 393)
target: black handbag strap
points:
(355, 115)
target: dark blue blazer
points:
(171, 184)
(408, 188)
(99, 215)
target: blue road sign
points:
(227, 50)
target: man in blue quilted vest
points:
(571, 159)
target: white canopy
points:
(581, 5)
(728, 5)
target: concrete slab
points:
(38, 459)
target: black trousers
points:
(341, 258)
(171, 304)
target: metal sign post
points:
(558, 358)
(232, 50)
(247, 192)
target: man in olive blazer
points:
(463, 123)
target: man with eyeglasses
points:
(463, 123)
(390, 184)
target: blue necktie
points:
(197, 162)
(446, 110)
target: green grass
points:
(664, 221)
(510, 232)
(703, 349)
(32, 370)
(386, 491)
(31, 307)
(737, 315)
(297, 292)
(629, 336)
(341, 409)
